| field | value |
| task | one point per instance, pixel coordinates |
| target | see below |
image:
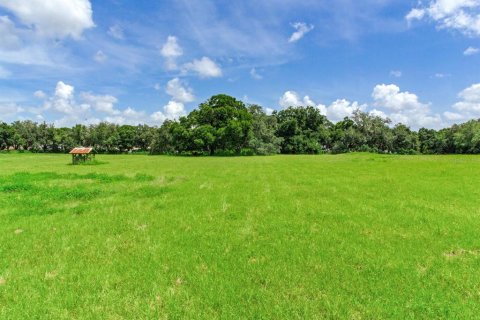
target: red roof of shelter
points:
(81, 150)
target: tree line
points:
(223, 125)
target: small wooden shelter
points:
(81, 155)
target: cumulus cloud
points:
(292, 99)
(88, 108)
(469, 106)
(301, 30)
(378, 113)
(159, 117)
(64, 91)
(471, 94)
(55, 19)
(336, 111)
(389, 96)
(470, 51)
(101, 103)
(28, 27)
(171, 111)
(171, 50)
(129, 116)
(342, 108)
(269, 111)
(175, 108)
(461, 15)
(63, 99)
(404, 107)
(388, 102)
(179, 92)
(415, 14)
(204, 68)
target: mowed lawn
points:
(356, 236)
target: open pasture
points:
(356, 236)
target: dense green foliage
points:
(350, 236)
(224, 125)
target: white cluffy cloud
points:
(390, 97)
(101, 103)
(470, 51)
(342, 108)
(301, 30)
(28, 27)
(179, 92)
(204, 68)
(336, 111)
(292, 99)
(461, 15)
(171, 111)
(171, 50)
(468, 107)
(53, 18)
(388, 102)
(88, 108)
(175, 108)
(404, 107)
(63, 100)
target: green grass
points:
(354, 236)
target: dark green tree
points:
(264, 140)
(345, 137)
(6, 136)
(405, 141)
(227, 120)
(144, 136)
(377, 135)
(303, 130)
(126, 137)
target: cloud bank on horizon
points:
(79, 61)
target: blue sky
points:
(144, 61)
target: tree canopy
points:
(223, 125)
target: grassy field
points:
(356, 236)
